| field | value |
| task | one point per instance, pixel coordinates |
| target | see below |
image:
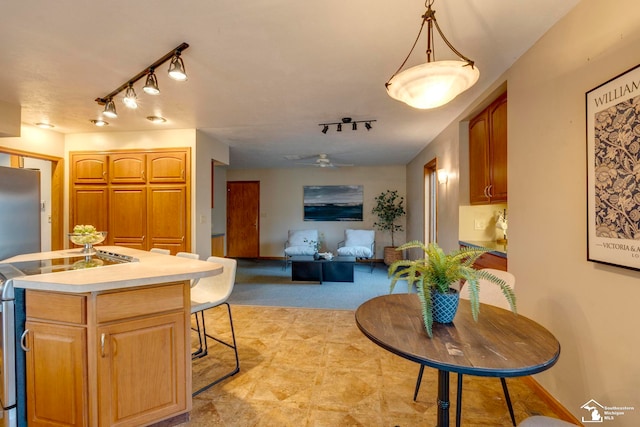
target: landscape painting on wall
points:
(333, 202)
(613, 171)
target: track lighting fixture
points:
(151, 84)
(176, 71)
(176, 68)
(433, 83)
(110, 109)
(346, 121)
(130, 98)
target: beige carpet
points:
(313, 367)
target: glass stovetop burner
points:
(98, 259)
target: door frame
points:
(57, 190)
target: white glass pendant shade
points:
(432, 84)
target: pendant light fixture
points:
(433, 83)
(151, 84)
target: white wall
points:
(281, 207)
(590, 308)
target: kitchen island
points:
(109, 345)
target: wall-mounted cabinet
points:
(141, 198)
(488, 154)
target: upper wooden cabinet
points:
(89, 168)
(488, 154)
(167, 167)
(127, 168)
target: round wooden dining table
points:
(500, 344)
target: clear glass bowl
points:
(87, 240)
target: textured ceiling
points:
(262, 74)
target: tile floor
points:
(314, 368)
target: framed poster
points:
(332, 202)
(613, 171)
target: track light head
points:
(176, 68)
(367, 125)
(325, 129)
(339, 127)
(151, 85)
(355, 126)
(130, 98)
(110, 109)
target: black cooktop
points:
(98, 259)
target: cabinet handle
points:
(23, 340)
(102, 337)
(182, 239)
(143, 238)
(489, 191)
(182, 174)
(485, 192)
(143, 178)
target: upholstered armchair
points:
(358, 243)
(300, 242)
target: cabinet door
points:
(479, 159)
(498, 153)
(127, 168)
(56, 375)
(89, 168)
(167, 214)
(89, 206)
(128, 216)
(165, 167)
(142, 370)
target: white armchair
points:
(358, 243)
(300, 242)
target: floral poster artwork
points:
(613, 146)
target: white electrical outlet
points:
(479, 224)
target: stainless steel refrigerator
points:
(19, 234)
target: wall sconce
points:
(443, 176)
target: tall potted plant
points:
(434, 274)
(389, 208)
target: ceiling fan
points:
(322, 161)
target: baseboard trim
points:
(543, 394)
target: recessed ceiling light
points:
(99, 122)
(156, 119)
(45, 125)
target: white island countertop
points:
(150, 268)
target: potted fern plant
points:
(389, 208)
(433, 276)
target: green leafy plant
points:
(389, 208)
(437, 271)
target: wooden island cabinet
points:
(141, 198)
(110, 347)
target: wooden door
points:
(142, 370)
(479, 159)
(128, 217)
(498, 154)
(56, 375)
(167, 218)
(243, 210)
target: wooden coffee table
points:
(338, 269)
